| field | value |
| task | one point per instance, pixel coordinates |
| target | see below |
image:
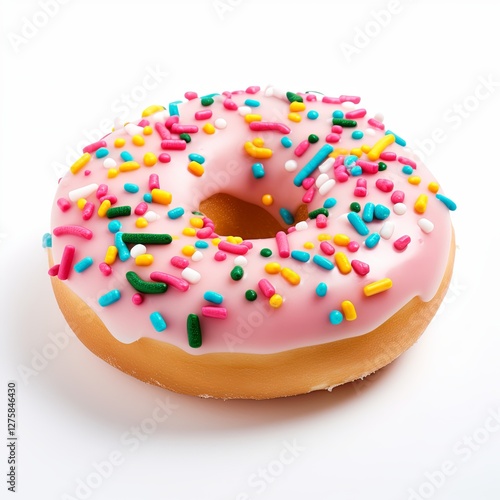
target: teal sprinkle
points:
(398, 139)
(258, 170)
(214, 297)
(109, 298)
(83, 264)
(382, 212)
(338, 114)
(175, 213)
(368, 212)
(287, 143)
(357, 134)
(201, 244)
(450, 204)
(126, 156)
(287, 216)
(157, 321)
(407, 170)
(350, 160)
(336, 317)
(148, 197)
(196, 157)
(312, 115)
(173, 109)
(330, 203)
(300, 255)
(131, 188)
(321, 289)
(114, 226)
(253, 103)
(372, 240)
(47, 240)
(323, 262)
(356, 171)
(101, 153)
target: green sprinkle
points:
(193, 330)
(266, 252)
(185, 137)
(315, 213)
(250, 295)
(147, 238)
(344, 123)
(237, 273)
(355, 207)
(292, 97)
(381, 166)
(313, 138)
(197, 213)
(119, 212)
(145, 286)
(206, 101)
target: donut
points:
(250, 244)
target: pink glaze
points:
(251, 326)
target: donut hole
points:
(235, 217)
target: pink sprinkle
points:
(355, 113)
(203, 115)
(407, 161)
(143, 123)
(353, 246)
(179, 262)
(63, 204)
(337, 129)
(360, 268)
(376, 124)
(291, 229)
(214, 312)
(220, 256)
(321, 221)
(102, 190)
(87, 172)
(398, 197)
(361, 182)
(105, 269)
(94, 146)
(283, 246)
(368, 167)
(302, 148)
(111, 197)
(190, 95)
(385, 185)
(237, 92)
(164, 158)
(311, 97)
(171, 120)
(253, 89)
(162, 131)
(184, 129)
(88, 210)
(176, 144)
(308, 182)
(66, 262)
(280, 127)
(327, 247)
(178, 283)
(338, 161)
(341, 174)
(225, 246)
(204, 233)
(266, 288)
(73, 230)
(402, 243)
(332, 138)
(54, 270)
(137, 299)
(309, 195)
(360, 192)
(388, 156)
(230, 105)
(247, 243)
(331, 100)
(141, 209)
(154, 182)
(350, 98)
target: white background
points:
(381, 438)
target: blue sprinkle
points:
(123, 252)
(47, 240)
(175, 213)
(300, 255)
(214, 297)
(312, 115)
(330, 203)
(109, 298)
(253, 103)
(350, 160)
(338, 114)
(126, 156)
(357, 134)
(287, 143)
(407, 170)
(196, 157)
(398, 139)
(372, 240)
(173, 109)
(450, 205)
(83, 264)
(258, 170)
(321, 289)
(323, 262)
(157, 321)
(357, 223)
(356, 171)
(287, 216)
(336, 317)
(313, 164)
(382, 212)
(131, 188)
(114, 226)
(148, 198)
(101, 153)
(368, 212)
(210, 96)
(201, 244)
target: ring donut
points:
(250, 244)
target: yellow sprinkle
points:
(234, 239)
(103, 208)
(341, 240)
(208, 128)
(365, 148)
(196, 168)
(309, 245)
(377, 287)
(276, 301)
(149, 159)
(256, 152)
(216, 241)
(291, 276)
(272, 268)
(147, 130)
(258, 141)
(357, 151)
(188, 250)
(252, 118)
(294, 117)
(342, 262)
(141, 222)
(145, 259)
(138, 140)
(154, 108)
(433, 187)
(161, 196)
(297, 106)
(112, 173)
(111, 254)
(380, 145)
(80, 163)
(414, 179)
(421, 204)
(324, 237)
(349, 310)
(338, 152)
(128, 166)
(81, 203)
(119, 142)
(189, 231)
(196, 222)
(267, 200)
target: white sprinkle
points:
(82, 192)
(321, 179)
(370, 131)
(133, 129)
(399, 208)
(240, 261)
(190, 275)
(425, 225)
(379, 117)
(301, 226)
(269, 91)
(348, 105)
(326, 186)
(387, 230)
(290, 165)
(220, 123)
(326, 165)
(244, 110)
(151, 216)
(137, 250)
(109, 163)
(197, 256)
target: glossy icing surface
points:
(297, 149)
